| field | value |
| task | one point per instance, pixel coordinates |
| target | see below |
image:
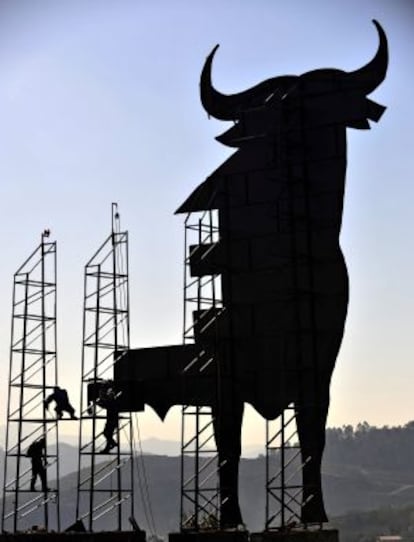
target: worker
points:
(36, 452)
(108, 399)
(60, 396)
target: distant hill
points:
(365, 469)
(172, 447)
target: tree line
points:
(372, 447)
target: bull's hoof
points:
(230, 520)
(230, 524)
(241, 528)
(314, 512)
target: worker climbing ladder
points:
(32, 376)
(105, 474)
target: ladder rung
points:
(35, 420)
(112, 454)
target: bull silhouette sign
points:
(284, 282)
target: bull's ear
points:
(371, 111)
(374, 110)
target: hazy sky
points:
(99, 103)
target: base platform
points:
(104, 536)
(210, 536)
(296, 535)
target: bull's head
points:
(326, 96)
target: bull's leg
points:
(227, 430)
(311, 413)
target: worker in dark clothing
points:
(36, 452)
(60, 396)
(108, 399)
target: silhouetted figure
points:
(60, 396)
(108, 400)
(284, 282)
(36, 452)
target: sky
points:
(99, 103)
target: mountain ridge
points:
(365, 469)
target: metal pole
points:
(131, 433)
(115, 243)
(20, 420)
(8, 413)
(81, 399)
(183, 408)
(56, 383)
(42, 287)
(95, 378)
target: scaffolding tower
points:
(284, 485)
(202, 305)
(105, 496)
(32, 373)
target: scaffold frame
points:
(283, 472)
(199, 459)
(33, 371)
(105, 488)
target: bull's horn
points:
(216, 104)
(229, 107)
(372, 74)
